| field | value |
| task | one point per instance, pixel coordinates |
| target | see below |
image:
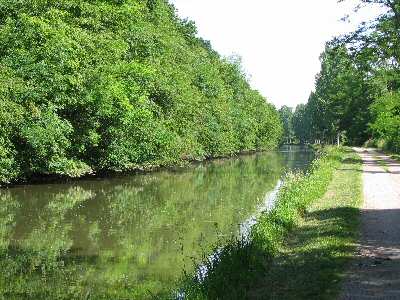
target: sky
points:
(279, 41)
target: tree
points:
(88, 86)
(375, 47)
(356, 92)
(302, 123)
(339, 105)
(286, 114)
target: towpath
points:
(375, 274)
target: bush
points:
(387, 121)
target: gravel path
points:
(375, 273)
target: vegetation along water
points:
(129, 237)
(94, 86)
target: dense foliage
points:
(286, 114)
(357, 94)
(115, 85)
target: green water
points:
(128, 237)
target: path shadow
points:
(374, 273)
(312, 269)
(387, 164)
(372, 172)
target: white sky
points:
(279, 41)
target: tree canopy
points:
(357, 91)
(286, 114)
(87, 86)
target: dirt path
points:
(375, 273)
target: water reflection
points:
(120, 238)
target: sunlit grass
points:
(312, 261)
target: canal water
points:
(133, 236)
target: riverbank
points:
(301, 248)
(129, 237)
(38, 179)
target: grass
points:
(301, 248)
(312, 261)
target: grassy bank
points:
(300, 249)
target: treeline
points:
(357, 93)
(115, 85)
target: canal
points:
(130, 236)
